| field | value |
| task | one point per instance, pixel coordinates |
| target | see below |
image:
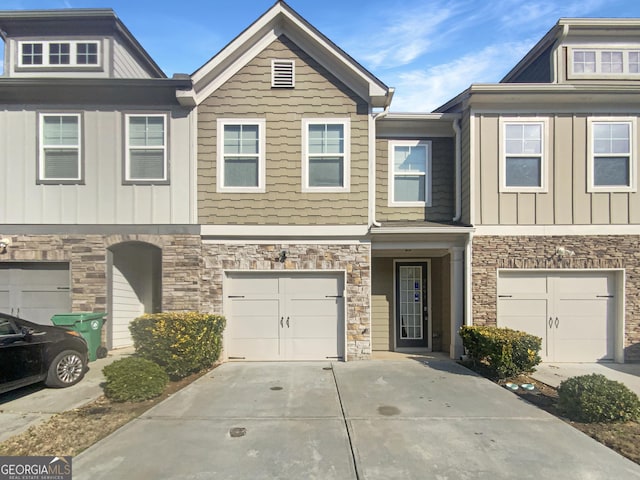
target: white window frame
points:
(346, 154)
(626, 50)
(127, 163)
(544, 154)
(633, 156)
(73, 48)
(392, 173)
(42, 147)
(261, 123)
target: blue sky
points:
(429, 50)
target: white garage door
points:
(35, 291)
(284, 316)
(573, 313)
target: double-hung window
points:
(146, 148)
(326, 155)
(410, 173)
(523, 159)
(59, 148)
(241, 150)
(612, 157)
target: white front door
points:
(573, 312)
(284, 316)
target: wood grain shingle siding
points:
(317, 94)
(566, 200)
(442, 184)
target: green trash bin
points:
(89, 325)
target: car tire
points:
(66, 369)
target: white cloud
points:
(425, 90)
(403, 37)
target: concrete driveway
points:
(28, 406)
(380, 419)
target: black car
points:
(32, 353)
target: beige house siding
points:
(566, 200)
(382, 304)
(442, 184)
(317, 94)
(591, 252)
(440, 304)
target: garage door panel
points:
(584, 284)
(322, 307)
(255, 285)
(255, 319)
(312, 349)
(5, 305)
(522, 282)
(255, 349)
(312, 286)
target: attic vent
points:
(282, 73)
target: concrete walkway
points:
(28, 406)
(426, 418)
(554, 373)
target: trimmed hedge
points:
(595, 398)
(134, 379)
(180, 342)
(501, 352)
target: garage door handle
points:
(557, 322)
(281, 320)
(287, 322)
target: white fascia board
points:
(555, 230)
(235, 67)
(228, 51)
(412, 230)
(282, 231)
(375, 88)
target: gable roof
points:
(282, 19)
(93, 21)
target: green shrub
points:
(180, 342)
(595, 398)
(133, 379)
(501, 352)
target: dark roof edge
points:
(177, 83)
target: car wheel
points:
(66, 369)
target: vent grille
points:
(282, 73)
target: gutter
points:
(458, 170)
(372, 162)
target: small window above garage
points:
(283, 73)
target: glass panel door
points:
(411, 305)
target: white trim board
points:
(551, 230)
(275, 231)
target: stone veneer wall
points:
(529, 252)
(87, 257)
(354, 259)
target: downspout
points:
(458, 169)
(372, 163)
